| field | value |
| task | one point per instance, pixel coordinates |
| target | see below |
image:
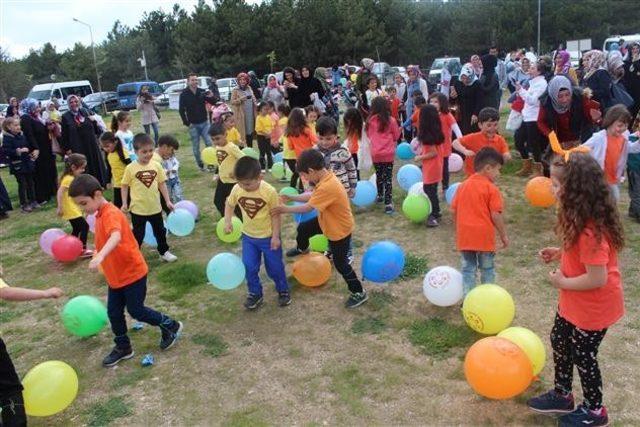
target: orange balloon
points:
(539, 193)
(312, 270)
(497, 368)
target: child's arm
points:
(595, 277)
(498, 222)
(228, 214)
(428, 155)
(59, 196)
(22, 294)
(291, 209)
(124, 191)
(165, 193)
(276, 222)
(456, 130)
(304, 197)
(461, 148)
(110, 245)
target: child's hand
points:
(285, 198)
(275, 243)
(53, 293)
(96, 261)
(59, 211)
(124, 208)
(351, 193)
(505, 242)
(216, 177)
(170, 206)
(549, 254)
(469, 153)
(556, 278)
(228, 227)
(595, 114)
(277, 210)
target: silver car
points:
(226, 86)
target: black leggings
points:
(431, 191)
(249, 140)
(520, 139)
(139, 223)
(574, 346)
(220, 198)
(26, 188)
(535, 141)
(264, 145)
(80, 229)
(445, 173)
(12, 412)
(354, 156)
(296, 182)
(384, 177)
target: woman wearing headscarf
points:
(563, 67)
(309, 84)
(273, 92)
(465, 90)
(331, 109)
(476, 64)
(597, 78)
(13, 109)
(362, 84)
(631, 78)
(79, 135)
(291, 85)
(255, 84)
(35, 131)
(243, 105)
(489, 83)
(414, 83)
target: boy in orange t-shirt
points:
(334, 219)
(477, 210)
(471, 143)
(124, 268)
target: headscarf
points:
(489, 64)
(77, 116)
(413, 69)
(28, 107)
(615, 64)
(565, 63)
(635, 57)
(320, 73)
(556, 84)
(476, 68)
(531, 57)
(614, 46)
(245, 77)
(467, 70)
(367, 63)
(593, 61)
(272, 84)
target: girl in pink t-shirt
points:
(589, 284)
(448, 124)
(432, 155)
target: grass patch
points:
(30, 230)
(250, 417)
(214, 346)
(130, 378)
(350, 386)
(414, 266)
(104, 413)
(435, 337)
(9, 260)
(180, 279)
(379, 300)
(368, 325)
(8, 315)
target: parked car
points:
(163, 99)
(384, 73)
(94, 101)
(60, 90)
(628, 39)
(436, 69)
(203, 82)
(226, 86)
(128, 92)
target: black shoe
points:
(356, 299)
(329, 255)
(284, 298)
(294, 252)
(585, 417)
(170, 335)
(253, 302)
(116, 355)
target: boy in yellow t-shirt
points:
(260, 231)
(144, 178)
(228, 154)
(264, 127)
(334, 218)
(229, 122)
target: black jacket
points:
(192, 109)
(18, 163)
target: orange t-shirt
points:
(446, 122)
(303, 141)
(125, 264)
(432, 168)
(415, 119)
(476, 199)
(331, 201)
(612, 157)
(353, 142)
(475, 142)
(395, 108)
(598, 308)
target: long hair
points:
(442, 100)
(109, 137)
(121, 116)
(73, 160)
(296, 122)
(380, 108)
(430, 130)
(585, 200)
(353, 123)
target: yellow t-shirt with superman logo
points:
(143, 181)
(228, 155)
(256, 207)
(233, 136)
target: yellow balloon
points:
(353, 77)
(49, 388)
(209, 156)
(530, 343)
(488, 309)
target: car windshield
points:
(40, 95)
(81, 91)
(437, 64)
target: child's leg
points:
(274, 265)
(379, 179)
(340, 250)
(80, 229)
(134, 296)
(487, 269)
(11, 403)
(251, 259)
(22, 189)
(562, 346)
(220, 197)
(387, 176)
(294, 173)
(469, 266)
(31, 188)
(139, 223)
(116, 302)
(634, 193)
(354, 156)
(263, 147)
(159, 232)
(156, 132)
(585, 357)
(445, 173)
(117, 197)
(176, 191)
(307, 230)
(615, 191)
(432, 192)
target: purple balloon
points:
(91, 220)
(48, 237)
(189, 206)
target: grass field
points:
(397, 360)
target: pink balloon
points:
(455, 162)
(48, 237)
(91, 220)
(188, 205)
(66, 248)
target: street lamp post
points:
(95, 61)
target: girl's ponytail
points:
(71, 160)
(118, 117)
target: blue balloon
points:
(409, 175)
(451, 192)
(180, 222)
(133, 157)
(404, 151)
(382, 262)
(225, 271)
(366, 194)
(304, 217)
(277, 158)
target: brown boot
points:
(526, 168)
(537, 169)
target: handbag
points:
(620, 95)
(514, 121)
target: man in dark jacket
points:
(194, 115)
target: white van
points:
(628, 39)
(60, 90)
(203, 82)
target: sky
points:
(28, 24)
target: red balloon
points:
(66, 248)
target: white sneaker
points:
(168, 257)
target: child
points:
(120, 125)
(488, 136)
(300, 137)
(589, 284)
(233, 135)
(477, 212)
(264, 126)
(383, 132)
(277, 131)
(353, 125)
(610, 146)
(11, 402)
(633, 172)
(228, 154)
(167, 146)
(146, 177)
(117, 161)
(123, 266)
(394, 102)
(74, 166)
(372, 91)
(21, 155)
(337, 158)
(448, 124)
(260, 231)
(334, 218)
(312, 115)
(432, 158)
(283, 112)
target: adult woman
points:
(476, 64)
(148, 114)
(489, 84)
(291, 88)
(79, 135)
(415, 83)
(331, 109)
(631, 78)
(13, 109)
(273, 92)
(465, 90)
(597, 78)
(243, 105)
(308, 85)
(35, 130)
(563, 67)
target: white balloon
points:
(418, 190)
(455, 162)
(443, 286)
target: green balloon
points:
(416, 208)
(279, 171)
(84, 316)
(319, 243)
(235, 234)
(289, 191)
(248, 151)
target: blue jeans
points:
(196, 131)
(252, 250)
(175, 189)
(156, 132)
(132, 297)
(471, 262)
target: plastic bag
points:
(317, 102)
(365, 163)
(514, 121)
